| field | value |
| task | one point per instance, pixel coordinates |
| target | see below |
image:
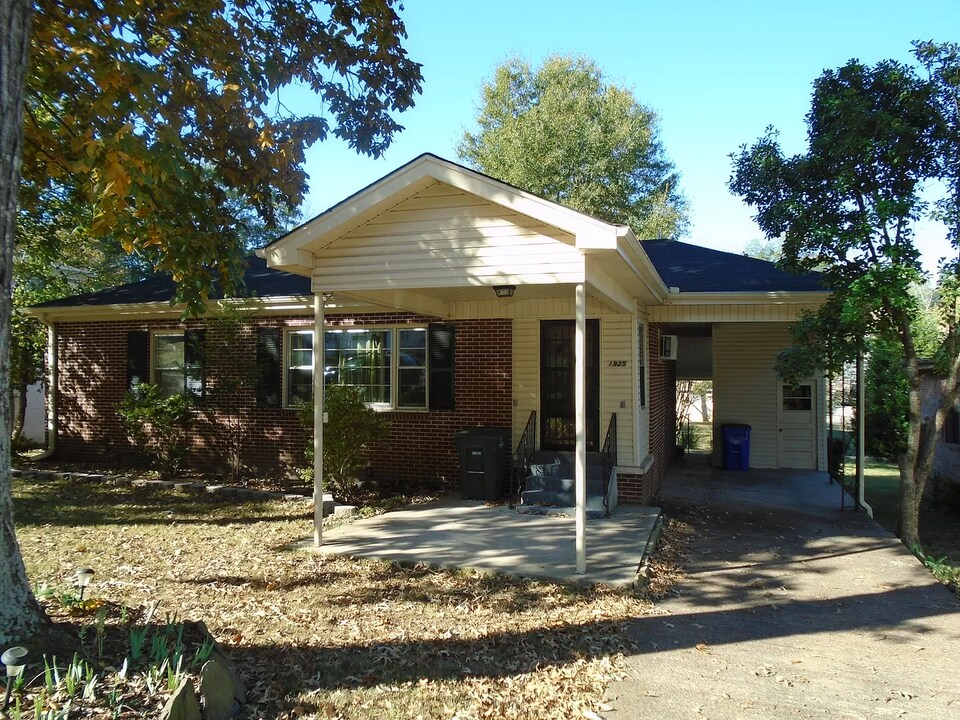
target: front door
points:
(558, 428)
(797, 446)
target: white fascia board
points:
(591, 232)
(604, 286)
(632, 253)
(748, 298)
(290, 304)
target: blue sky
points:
(716, 72)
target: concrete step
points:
(566, 470)
(595, 486)
(559, 499)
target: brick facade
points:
(662, 408)
(92, 377)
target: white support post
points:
(861, 436)
(580, 392)
(318, 419)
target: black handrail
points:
(524, 453)
(609, 453)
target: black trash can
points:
(483, 462)
(736, 446)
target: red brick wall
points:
(662, 408)
(92, 377)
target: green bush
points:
(886, 401)
(350, 427)
(158, 426)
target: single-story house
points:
(457, 301)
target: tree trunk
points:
(19, 612)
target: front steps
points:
(550, 486)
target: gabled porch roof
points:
(435, 237)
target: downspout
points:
(50, 404)
(861, 425)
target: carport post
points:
(318, 347)
(580, 391)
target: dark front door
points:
(558, 427)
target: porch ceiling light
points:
(504, 291)
(84, 576)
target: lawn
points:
(310, 635)
(939, 524)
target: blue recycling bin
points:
(736, 446)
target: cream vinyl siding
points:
(444, 237)
(771, 312)
(526, 377)
(617, 382)
(552, 308)
(745, 386)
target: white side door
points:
(797, 416)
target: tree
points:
(150, 113)
(847, 205)
(763, 249)
(563, 132)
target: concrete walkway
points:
(791, 609)
(465, 533)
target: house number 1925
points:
(617, 363)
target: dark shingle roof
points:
(693, 268)
(260, 281)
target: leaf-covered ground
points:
(326, 637)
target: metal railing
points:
(523, 455)
(609, 453)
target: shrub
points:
(351, 426)
(158, 425)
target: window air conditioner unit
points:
(668, 347)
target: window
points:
(299, 366)
(360, 358)
(177, 362)
(390, 365)
(798, 398)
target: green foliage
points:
(352, 426)
(876, 136)
(885, 431)
(763, 249)
(167, 123)
(159, 425)
(232, 380)
(563, 132)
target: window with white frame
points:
(177, 365)
(364, 358)
(169, 363)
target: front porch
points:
(455, 533)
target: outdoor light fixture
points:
(504, 291)
(15, 660)
(84, 576)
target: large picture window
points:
(390, 365)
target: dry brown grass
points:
(328, 637)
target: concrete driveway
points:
(791, 609)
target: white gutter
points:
(861, 426)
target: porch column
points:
(580, 393)
(318, 419)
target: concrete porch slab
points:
(455, 533)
